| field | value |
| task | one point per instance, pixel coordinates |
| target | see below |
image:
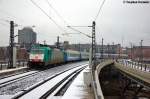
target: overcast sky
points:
(117, 22)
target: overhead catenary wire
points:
(10, 16)
(51, 6)
(4, 24)
(48, 16)
(8, 21)
(101, 6)
(4, 20)
(79, 32)
(71, 27)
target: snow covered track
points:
(12, 79)
(46, 88)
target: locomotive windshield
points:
(37, 51)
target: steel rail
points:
(48, 93)
(3, 84)
(7, 82)
(41, 83)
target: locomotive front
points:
(36, 57)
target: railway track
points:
(12, 79)
(50, 86)
(11, 86)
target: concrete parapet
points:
(97, 72)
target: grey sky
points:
(117, 21)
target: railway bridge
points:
(136, 77)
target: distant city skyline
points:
(117, 22)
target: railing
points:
(19, 63)
(135, 65)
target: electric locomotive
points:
(42, 56)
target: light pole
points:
(102, 49)
(131, 50)
(141, 51)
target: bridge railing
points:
(135, 65)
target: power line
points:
(50, 5)
(10, 16)
(4, 20)
(7, 14)
(100, 9)
(4, 25)
(47, 15)
(7, 21)
(79, 31)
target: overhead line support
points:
(11, 45)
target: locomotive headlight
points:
(42, 56)
(31, 56)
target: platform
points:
(12, 71)
(79, 90)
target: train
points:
(111, 56)
(43, 56)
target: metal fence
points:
(5, 64)
(135, 65)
